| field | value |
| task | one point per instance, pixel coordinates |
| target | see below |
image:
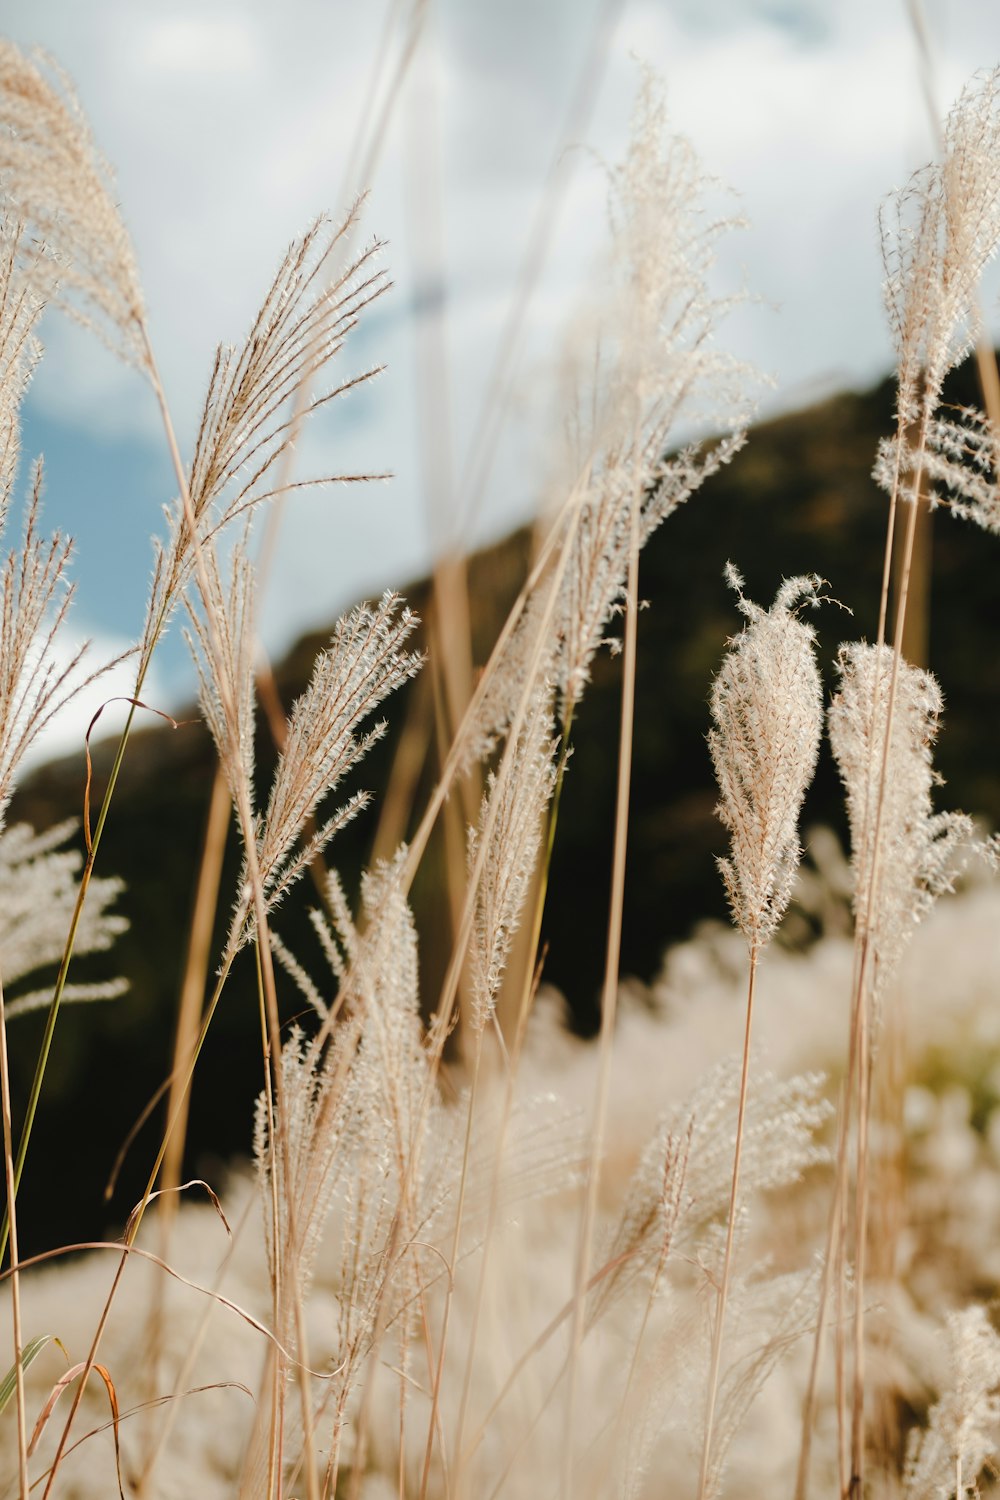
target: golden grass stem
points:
(609, 995)
(861, 997)
(408, 762)
(277, 1365)
(528, 982)
(195, 975)
(826, 1277)
(453, 1262)
(15, 1280)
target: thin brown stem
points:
(453, 1262)
(609, 996)
(186, 1036)
(809, 1403)
(727, 1262)
(528, 983)
(862, 994)
(15, 1279)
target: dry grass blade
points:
(56, 1392)
(139, 1208)
(88, 837)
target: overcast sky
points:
(231, 124)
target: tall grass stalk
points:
(767, 723)
(609, 993)
(15, 1281)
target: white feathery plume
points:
(34, 593)
(768, 722)
(363, 1130)
(959, 465)
(222, 645)
(38, 887)
(365, 661)
(35, 683)
(56, 180)
(961, 1435)
(515, 822)
(655, 365)
(920, 850)
(247, 423)
(768, 719)
(20, 351)
(938, 234)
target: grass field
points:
(742, 1241)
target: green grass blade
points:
(34, 1347)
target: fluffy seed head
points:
(768, 717)
(963, 1423)
(917, 853)
(56, 180)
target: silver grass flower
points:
(247, 423)
(650, 365)
(529, 658)
(768, 721)
(305, 1160)
(34, 594)
(365, 661)
(938, 233)
(679, 1193)
(656, 1202)
(961, 1434)
(783, 1118)
(656, 364)
(36, 682)
(367, 1136)
(513, 810)
(38, 888)
(674, 1217)
(919, 852)
(20, 351)
(959, 466)
(55, 179)
(222, 646)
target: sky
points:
(232, 123)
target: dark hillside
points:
(798, 499)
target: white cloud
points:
(232, 124)
(212, 45)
